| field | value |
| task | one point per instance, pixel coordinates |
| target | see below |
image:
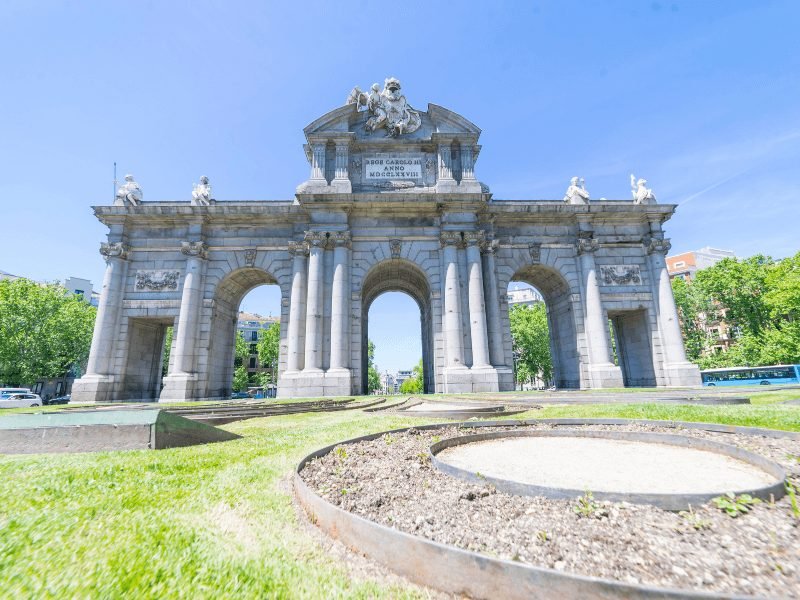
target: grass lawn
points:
(213, 521)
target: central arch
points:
(222, 339)
(399, 275)
(555, 291)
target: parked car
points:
(20, 400)
(7, 391)
(240, 396)
(59, 400)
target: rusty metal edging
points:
(458, 571)
(458, 414)
(665, 501)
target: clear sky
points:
(699, 97)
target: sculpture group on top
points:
(129, 193)
(641, 194)
(389, 108)
(577, 193)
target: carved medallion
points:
(620, 275)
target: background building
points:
(687, 264)
(250, 325)
(523, 295)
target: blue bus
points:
(752, 375)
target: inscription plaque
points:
(391, 166)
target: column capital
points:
(197, 249)
(586, 242)
(491, 246)
(451, 238)
(297, 248)
(315, 239)
(114, 250)
(654, 244)
(475, 238)
(340, 239)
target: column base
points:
(463, 380)
(180, 387)
(682, 375)
(94, 388)
(315, 383)
(605, 375)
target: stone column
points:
(342, 156)
(454, 340)
(314, 303)
(467, 163)
(105, 325)
(191, 301)
(445, 163)
(318, 161)
(340, 303)
(494, 327)
(477, 306)
(594, 324)
(671, 337)
(297, 307)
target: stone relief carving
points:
(157, 281)
(535, 249)
(316, 238)
(396, 185)
(114, 250)
(201, 193)
(451, 238)
(472, 238)
(250, 257)
(395, 246)
(298, 248)
(199, 249)
(341, 239)
(586, 242)
(129, 193)
(576, 192)
(641, 194)
(389, 108)
(620, 275)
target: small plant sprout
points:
(735, 505)
(542, 536)
(388, 438)
(587, 506)
(695, 520)
(436, 439)
(340, 452)
(793, 491)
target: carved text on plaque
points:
(393, 167)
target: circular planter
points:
(462, 572)
(666, 501)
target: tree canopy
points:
(757, 297)
(269, 342)
(241, 378)
(44, 331)
(531, 342)
(414, 384)
(373, 378)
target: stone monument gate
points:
(392, 204)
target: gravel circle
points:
(390, 481)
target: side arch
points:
(227, 297)
(556, 278)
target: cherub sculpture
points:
(576, 192)
(641, 194)
(201, 194)
(389, 109)
(129, 193)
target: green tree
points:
(167, 349)
(269, 342)
(373, 378)
(414, 384)
(241, 378)
(44, 331)
(693, 307)
(531, 340)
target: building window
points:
(253, 336)
(252, 362)
(679, 264)
(253, 348)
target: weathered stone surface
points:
(398, 212)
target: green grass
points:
(215, 520)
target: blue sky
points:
(699, 97)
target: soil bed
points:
(390, 480)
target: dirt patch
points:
(390, 481)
